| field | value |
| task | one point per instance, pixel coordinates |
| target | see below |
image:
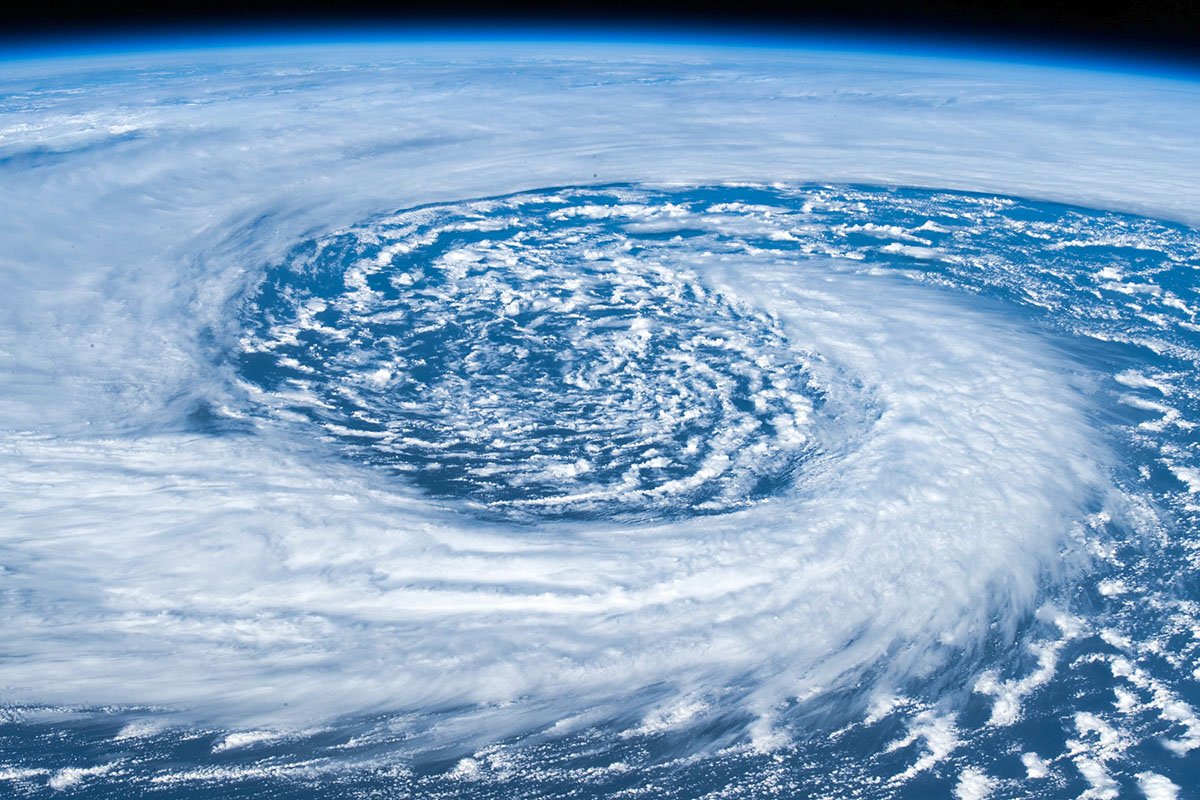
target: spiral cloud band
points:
(376, 421)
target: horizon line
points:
(1044, 50)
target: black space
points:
(1167, 29)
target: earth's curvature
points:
(456, 419)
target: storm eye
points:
(532, 363)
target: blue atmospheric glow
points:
(166, 40)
